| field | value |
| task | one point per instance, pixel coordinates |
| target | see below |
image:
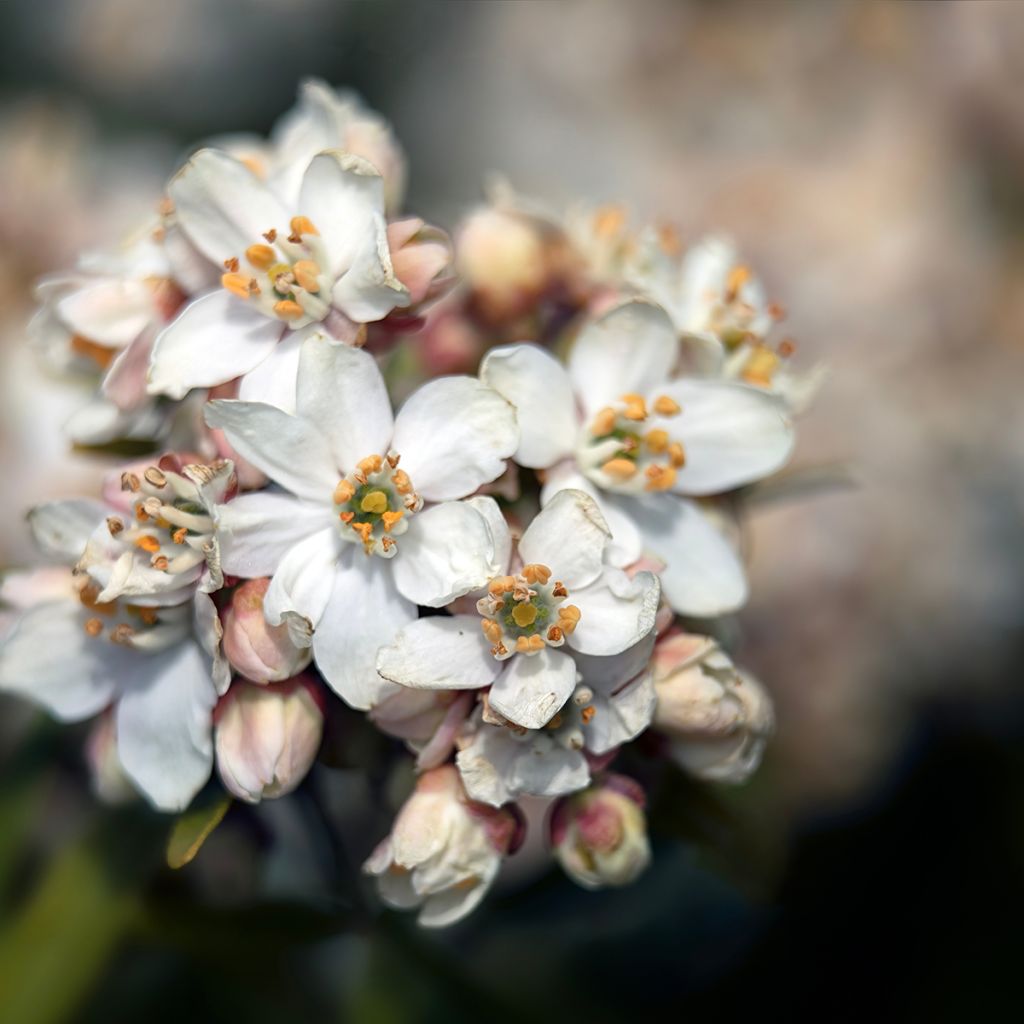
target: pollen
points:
(371, 464)
(179, 535)
(390, 518)
(536, 573)
(604, 422)
(260, 256)
(657, 441)
(587, 713)
(271, 235)
(501, 585)
(237, 284)
(677, 455)
(761, 365)
(621, 469)
(231, 264)
(286, 309)
(636, 407)
(665, 406)
(559, 590)
(302, 226)
(365, 530)
(307, 274)
(93, 627)
(375, 502)
(524, 615)
(344, 492)
(147, 543)
(491, 630)
(555, 635)
(659, 478)
(402, 482)
(529, 644)
(568, 617)
(346, 517)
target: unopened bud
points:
(260, 652)
(110, 781)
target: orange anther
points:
(307, 273)
(676, 455)
(536, 573)
(302, 226)
(665, 406)
(621, 469)
(237, 284)
(371, 464)
(492, 630)
(659, 478)
(390, 518)
(365, 531)
(147, 543)
(231, 264)
(738, 277)
(344, 492)
(501, 585)
(288, 310)
(604, 422)
(587, 713)
(657, 441)
(179, 535)
(559, 590)
(259, 256)
(93, 627)
(401, 481)
(636, 407)
(568, 617)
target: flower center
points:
(374, 504)
(283, 275)
(525, 613)
(131, 625)
(621, 451)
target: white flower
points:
(612, 703)
(444, 851)
(320, 263)
(157, 663)
(718, 717)
(364, 526)
(614, 425)
(527, 617)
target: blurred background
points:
(869, 159)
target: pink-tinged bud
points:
(718, 717)
(444, 850)
(428, 720)
(267, 737)
(110, 782)
(665, 615)
(599, 835)
(421, 256)
(260, 652)
(449, 342)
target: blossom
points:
(558, 592)
(110, 782)
(444, 850)
(267, 736)
(255, 649)
(615, 425)
(157, 663)
(428, 720)
(319, 263)
(363, 524)
(718, 717)
(600, 835)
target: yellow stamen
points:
(761, 365)
(536, 573)
(271, 235)
(307, 273)
(390, 518)
(524, 614)
(401, 481)
(346, 517)
(665, 406)
(555, 635)
(604, 422)
(93, 627)
(659, 478)
(179, 535)
(568, 617)
(343, 492)
(622, 469)
(260, 256)
(365, 531)
(588, 713)
(288, 310)
(636, 407)
(302, 226)
(738, 277)
(147, 543)
(501, 585)
(371, 464)
(375, 501)
(231, 264)
(677, 455)
(657, 441)
(491, 630)
(237, 284)
(559, 590)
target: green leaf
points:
(192, 829)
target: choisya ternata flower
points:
(157, 663)
(556, 593)
(363, 524)
(615, 425)
(320, 265)
(444, 850)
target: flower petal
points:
(213, 340)
(606, 674)
(222, 206)
(569, 535)
(703, 575)
(446, 552)
(501, 536)
(341, 390)
(303, 581)
(109, 312)
(164, 727)
(732, 434)
(540, 390)
(274, 379)
(629, 350)
(257, 530)
(365, 612)
(63, 528)
(621, 717)
(454, 435)
(615, 612)
(440, 653)
(289, 449)
(534, 687)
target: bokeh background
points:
(869, 158)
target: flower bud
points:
(267, 737)
(599, 834)
(444, 850)
(110, 782)
(260, 652)
(421, 256)
(718, 718)
(428, 720)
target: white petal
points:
(615, 612)
(454, 435)
(110, 312)
(501, 536)
(534, 687)
(629, 350)
(222, 206)
(100, 422)
(213, 340)
(539, 388)
(164, 727)
(257, 530)
(273, 380)
(63, 528)
(621, 717)
(50, 659)
(440, 653)
(445, 553)
(445, 908)
(606, 674)
(289, 449)
(125, 381)
(364, 613)
(569, 535)
(303, 581)
(732, 434)
(341, 390)
(703, 575)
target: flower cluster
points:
(504, 573)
